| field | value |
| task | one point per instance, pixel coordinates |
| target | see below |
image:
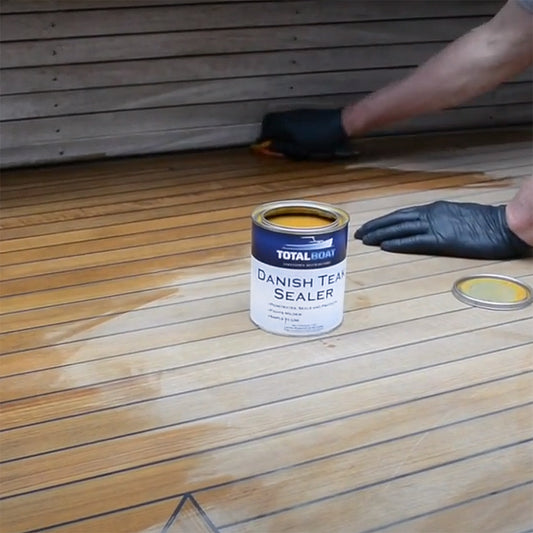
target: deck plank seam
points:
(283, 432)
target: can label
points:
(298, 281)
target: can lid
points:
(492, 291)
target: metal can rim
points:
(488, 304)
(340, 217)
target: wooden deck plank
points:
(216, 467)
(137, 241)
(200, 203)
(283, 355)
(234, 393)
(197, 180)
(406, 496)
(503, 512)
(137, 396)
(125, 335)
(168, 263)
(137, 450)
(95, 178)
(50, 309)
(346, 472)
(230, 320)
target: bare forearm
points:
(519, 212)
(473, 64)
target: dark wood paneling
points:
(240, 40)
(130, 76)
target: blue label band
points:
(299, 251)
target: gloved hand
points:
(306, 134)
(446, 228)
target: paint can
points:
(298, 267)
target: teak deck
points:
(138, 397)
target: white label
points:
(297, 301)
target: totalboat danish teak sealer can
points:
(298, 267)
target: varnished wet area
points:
(137, 396)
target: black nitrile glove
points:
(446, 228)
(307, 134)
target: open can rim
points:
(491, 304)
(339, 217)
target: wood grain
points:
(137, 396)
(103, 79)
(162, 19)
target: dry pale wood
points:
(504, 512)
(521, 158)
(246, 460)
(99, 327)
(143, 366)
(18, 478)
(136, 450)
(406, 496)
(326, 478)
(178, 331)
(148, 518)
(123, 392)
(242, 387)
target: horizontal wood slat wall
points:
(129, 76)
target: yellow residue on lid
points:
(494, 290)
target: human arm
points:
(471, 65)
(474, 63)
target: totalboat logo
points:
(312, 250)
